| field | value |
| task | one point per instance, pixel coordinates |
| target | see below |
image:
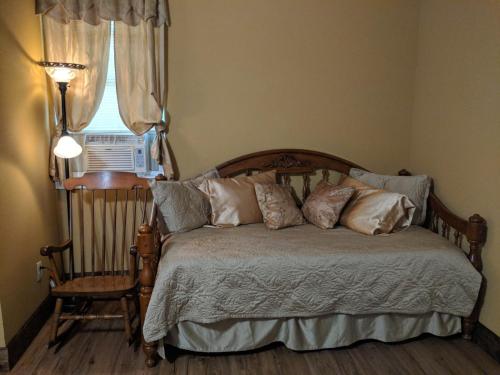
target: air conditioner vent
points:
(113, 139)
(115, 158)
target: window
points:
(107, 118)
(105, 151)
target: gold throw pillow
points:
(375, 211)
(278, 206)
(324, 205)
(233, 200)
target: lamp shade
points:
(67, 148)
(61, 72)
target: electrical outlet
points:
(39, 271)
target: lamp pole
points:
(63, 87)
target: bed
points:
(241, 288)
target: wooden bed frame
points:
(296, 162)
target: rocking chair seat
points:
(96, 286)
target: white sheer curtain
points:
(81, 43)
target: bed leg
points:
(469, 323)
(145, 246)
(468, 326)
(150, 350)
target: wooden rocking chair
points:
(106, 259)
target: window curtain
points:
(140, 63)
(141, 83)
(81, 43)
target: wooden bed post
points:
(476, 235)
(146, 248)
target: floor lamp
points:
(66, 147)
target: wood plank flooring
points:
(99, 347)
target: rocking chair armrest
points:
(50, 249)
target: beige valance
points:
(131, 12)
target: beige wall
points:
(335, 76)
(27, 206)
(456, 124)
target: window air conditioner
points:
(114, 152)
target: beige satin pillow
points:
(233, 200)
(324, 205)
(414, 187)
(278, 206)
(375, 211)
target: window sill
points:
(149, 175)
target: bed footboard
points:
(148, 251)
(442, 221)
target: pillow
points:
(182, 206)
(414, 187)
(323, 206)
(197, 180)
(278, 206)
(233, 200)
(375, 211)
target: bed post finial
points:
(476, 235)
(146, 248)
(160, 177)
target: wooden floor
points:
(99, 347)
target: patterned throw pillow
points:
(278, 206)
(324, 205)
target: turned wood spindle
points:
(306, 190)
(326, 175)
(82, 231)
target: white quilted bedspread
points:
(209, 275)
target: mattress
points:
(212, 275)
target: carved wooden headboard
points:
(288, 162)
(285, 161)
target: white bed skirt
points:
(331, 331)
